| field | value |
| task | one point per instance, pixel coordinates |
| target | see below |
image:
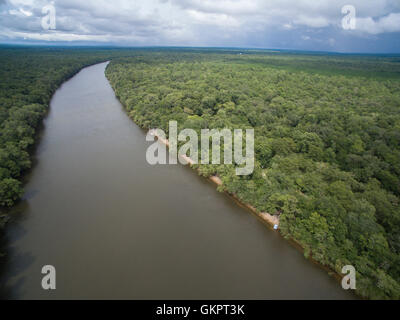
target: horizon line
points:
(110, 45)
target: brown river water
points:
(115, 227)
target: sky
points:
(368, 26)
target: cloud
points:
(313, 22)
(389, 23)
(260, 23)
(216, 19)
(20, 12)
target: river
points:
(115, 227)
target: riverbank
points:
(270, 220)
(11, 196)
(30, 126)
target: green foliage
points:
(10, 191)
(327, 146)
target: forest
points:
(327, 135)
(327, 143)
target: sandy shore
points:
(271, 220)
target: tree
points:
(10, 191)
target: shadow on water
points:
(14, 215)
(13, 266)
